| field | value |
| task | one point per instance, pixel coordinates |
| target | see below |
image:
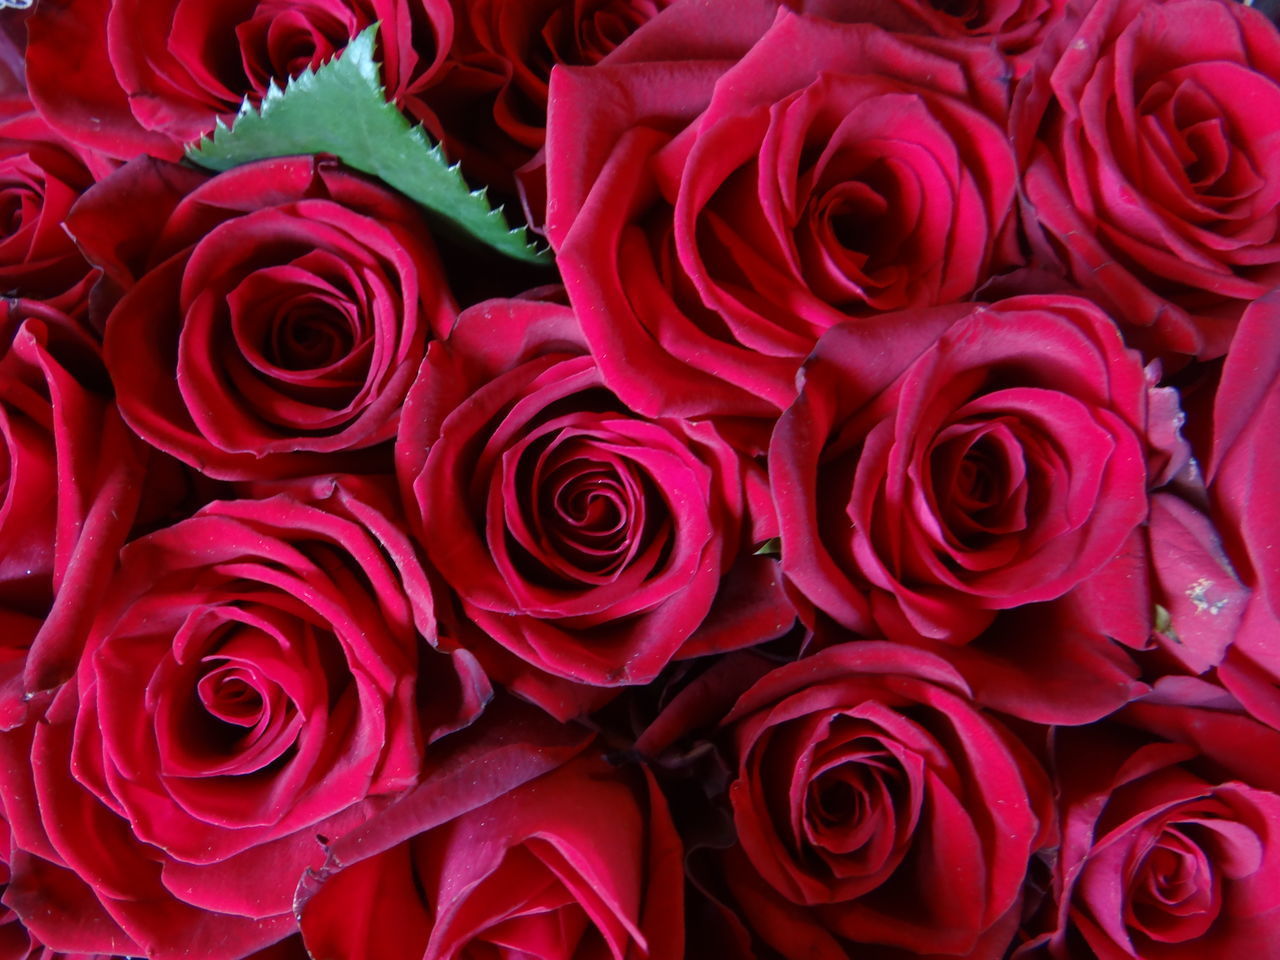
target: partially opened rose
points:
(590, 546)
(128, 77)
(875, 804)
(745, 189)
(582, 863)
(272, 317)
(1169, 846)
(41, 176)
(941, 465)
(258, 676)
(1147, 131)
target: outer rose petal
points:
(974, 465)
(271, 318)
(865, 777)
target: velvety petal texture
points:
(127, 77)
(1146, 134)
(590, 545)
(584, 865)
(745, 189)
(945, 464)
(875, 805)
(251, 683)
(1168, 846)
(69, 486)
(277, 313)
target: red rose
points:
(1243, 473)
(273, 316)
(251, 682)
(941, 465)
(140, 76)
(1147, 133)
(578, 864)
(70, 473)
(590, 545)
(41, 176)
(875, 804)
(1169, 844)
(1016, 27)
(489, 100)
(745, 189)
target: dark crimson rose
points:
(140, 76)
(69, 472)
(489, 100)
(1146, 130)
(746, 187)
(875, 804)
(41, 176)
(581, 863)
(257, 676)
(272, 317)
(1169, 845)
(944, 464)
(590, 545)
(1016, 27)
(1243, 473)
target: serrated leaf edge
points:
(370, 71)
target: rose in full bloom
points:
(744, 189)
(590, 545)
(1169, 837)
(875, 804)
(272, 317)
(69, 477)
(258, 675)
(945, 464)
(1146, 132)
(581, 863)
(139, 76)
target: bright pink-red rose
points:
(745, 185)
(140, 76)
(944, 464)
(1170, 844)
(875, 804)
(258, 675)
(581, 863)
(272, 317)
(1147, 133)
(590, 545)
(69, 473)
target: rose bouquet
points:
(639, 479)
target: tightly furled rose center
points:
(867, 787)
(594, 509)
(239, 708)
(862, 801)
(295, 321)
(272, 318)
(976, 459)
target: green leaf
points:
(770, 547)
(341, 109)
